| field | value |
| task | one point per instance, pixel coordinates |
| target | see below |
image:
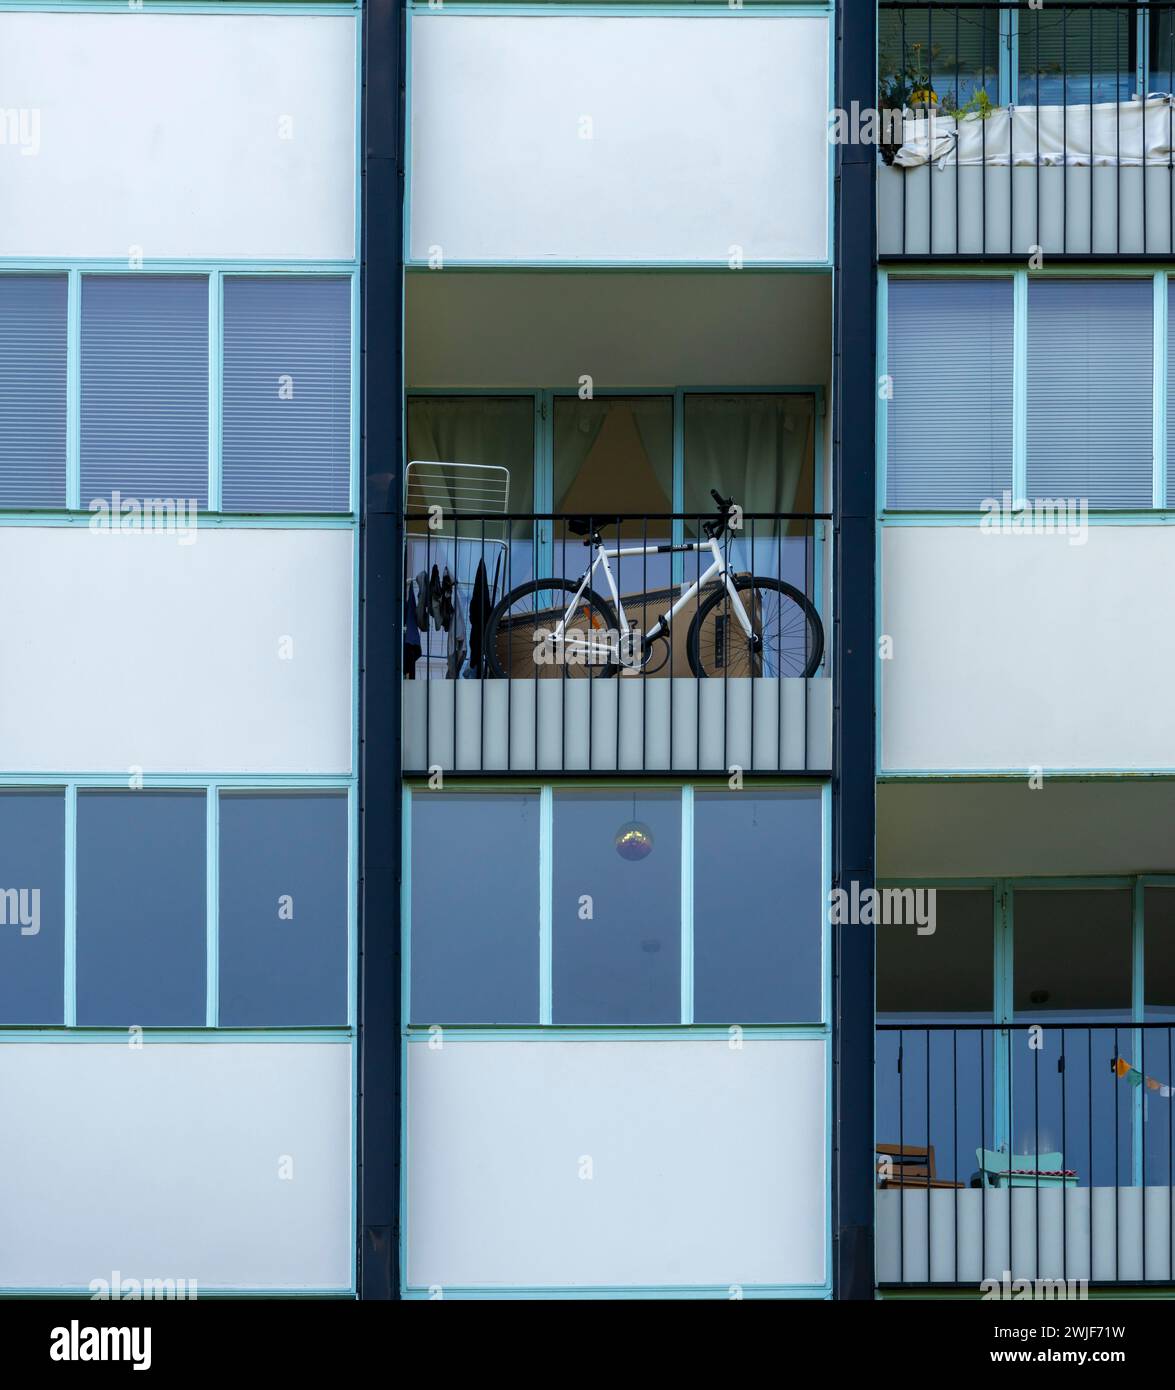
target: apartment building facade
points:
(1024, 1049)
(391, 911)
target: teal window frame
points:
(1161, 280)
(422, 1032)
(212, 788)
(74, 512)
(1003, 891)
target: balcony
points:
(1014, 131)
(1025, 1153)
(511, 667)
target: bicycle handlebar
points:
(716, 529)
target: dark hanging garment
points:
(435, 599)
(447, 604)
(479, 617)
(412, 648)
(421, 602)
(411, 627)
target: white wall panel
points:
(163, 1162)
(133, 649)
(162, 131)
(1014, 651)
(708, 1163)
(706, 133)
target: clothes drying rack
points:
(454, 488)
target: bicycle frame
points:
(611, 645)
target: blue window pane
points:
(287, 394)
(475, 908)
(1072, 954)
(144, 415)
(141, 948)
(32, 908)
(940, 976)
(1159, 962)
(32, 390)
(758, 898)
(617, 857)
(283, 910)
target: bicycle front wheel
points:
(787, 636)
(530, 636)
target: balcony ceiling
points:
(526, 329)
(1001, 828)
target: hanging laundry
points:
(436, 599)
(1133, 1077)
(412, 647)
(422, 601)
(479, 617)
(447, 605)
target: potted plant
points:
(905, 88)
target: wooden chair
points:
(910, 1166)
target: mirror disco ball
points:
(634, 840)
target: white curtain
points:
(757, 449)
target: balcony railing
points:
(1045, 131)
(518, 660)
(1025, 1152)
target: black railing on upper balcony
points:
(1038, 1151)
(561, 645)
(1046, 131)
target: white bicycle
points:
(743, 624)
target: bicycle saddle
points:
(579, 525)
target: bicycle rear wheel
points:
(520, 635)
(787, 636)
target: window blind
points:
(1171, 393)
(954, 51)
(949, 422)
(287, 394)
(33, 332)
(1075, 55)
(1090, 353)
(144, 373)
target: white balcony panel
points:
(1053, 1233)
(619, 725)
(136, 650)
(1013, 651)
(183, 135)
(708, 1163)
(933, 210)
(618, 138)
(165, 1162)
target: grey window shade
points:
(287, 394)
(949, 422)
(1171, 393)
(1090, 351)
(1075, 55)
(144, 410)
(32, 390)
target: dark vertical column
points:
(381, 611)
(855, 654)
